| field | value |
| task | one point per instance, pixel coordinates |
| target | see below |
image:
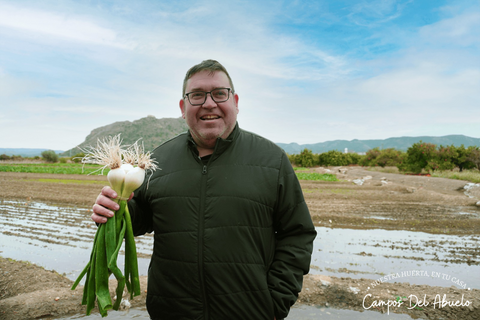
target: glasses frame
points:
(211, 96)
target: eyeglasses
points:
(218, 95)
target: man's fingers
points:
(104, 206)
(98, 219)
(109, 192)
(106, 202)
(102, 211)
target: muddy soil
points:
(28, 291)
(393, 201)
(383, 201)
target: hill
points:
(150, 130)
(401, 143)
(154, 132)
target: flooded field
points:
(298, 312)
(420, 258)
(391, 237)
(55, 237)
(60, 238)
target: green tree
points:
(417, 157)
(333, 158)
(306, 159)
(50, 156)
(353, 158)
(390, 158)
(462, 160)
(385, 157)
(370, 159)
(443, 159)
(78, 157)
(473, 155)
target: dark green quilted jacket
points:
(232, 237)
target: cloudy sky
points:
(305, 71)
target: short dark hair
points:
(206, 65)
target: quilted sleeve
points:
(294, 232)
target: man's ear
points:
(235, 97)
(182, 107)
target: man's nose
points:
(209, 103)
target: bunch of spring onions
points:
(128, 167)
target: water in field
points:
(54, 237)
(298, 312)
(436, 260)
(60, 238)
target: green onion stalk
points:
(128, 166)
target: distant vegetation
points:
(455, 162)
(50, 156)
(331, 158)
(421, 157)
(57, 168)
(316, 176)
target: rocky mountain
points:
(150, 130)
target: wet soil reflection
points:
(417, 257)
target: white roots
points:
(112, 154)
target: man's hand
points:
(104, 206)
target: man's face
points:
(211, 120)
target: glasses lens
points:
(197, 97)
(220, 94)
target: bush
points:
(333, 158)
(426, 156)
(291, 157)
(443, 159)
(305, 159)
(353, 158)
(4, 157)
(390, 158)
(63, 160)
(418, 157)
(461, 160)
(50, 156)
(384, 158)
(473, 155)
(79, 156)
(370, 159)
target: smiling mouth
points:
(210, 117)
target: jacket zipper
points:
(201, 226)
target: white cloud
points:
(462, 29)
(372, 13)
(61, 25)
(13, 86)
(291, 89)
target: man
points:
(232, 234)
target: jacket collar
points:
(220, 145)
